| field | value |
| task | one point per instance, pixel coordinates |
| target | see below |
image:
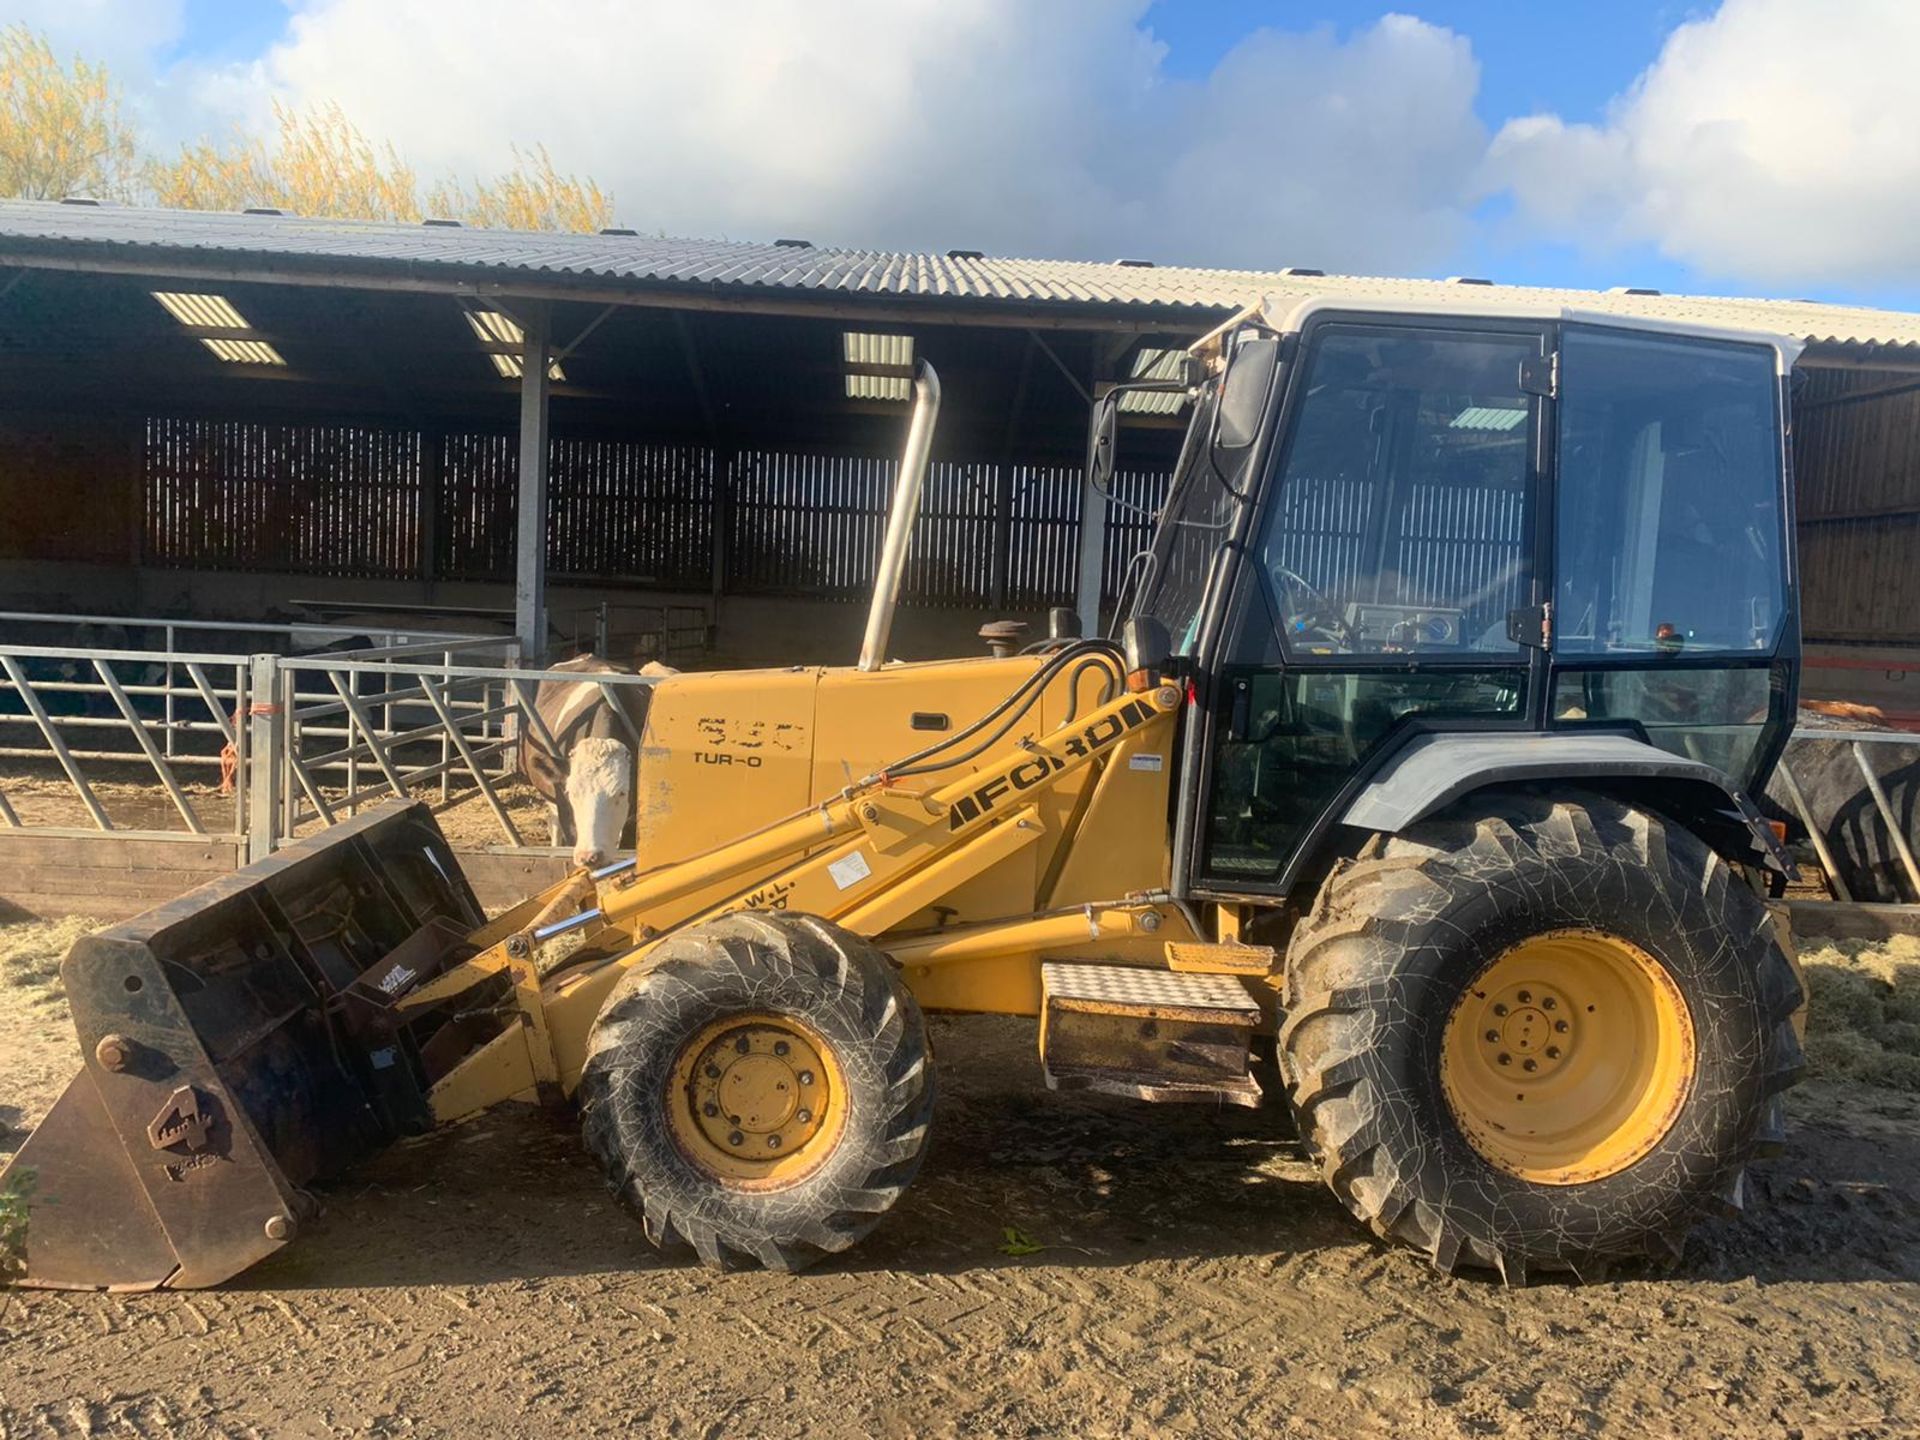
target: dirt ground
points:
(1062, 1267)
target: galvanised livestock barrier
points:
(191, 747)
(198, 732)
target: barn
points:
(262, 415)
(289, 504)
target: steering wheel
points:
(1309, 613)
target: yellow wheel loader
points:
(1420, 767)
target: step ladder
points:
(1147, 1033)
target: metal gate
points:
(140, 739)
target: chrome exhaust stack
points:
(905, 509)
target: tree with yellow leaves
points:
(530, 196)
(61, 132)
(322, 164)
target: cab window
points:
(1399, 525)
(1669, 520)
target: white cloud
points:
(1007, 125)
(1776, 142)
(1771, 143)
(123, 34)
(1356, 156)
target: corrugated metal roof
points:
(293, 244)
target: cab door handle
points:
(1240, 709)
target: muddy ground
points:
(1062, 1267)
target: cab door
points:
(1673, 610)
(1387, 580)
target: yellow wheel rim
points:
(1568, 1058)
(757, 1101)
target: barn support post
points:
(530, 557)
(1093, 547)
(1093, 508)
(265, 744)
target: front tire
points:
(760, 1089)
(1538, 1034)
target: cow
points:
(588, 782)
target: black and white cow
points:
(588, 782)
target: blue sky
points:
(1569, 57)
(228, 29)
(1700, 146)
(1545, 55)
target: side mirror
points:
(1243, 393)
(1102, 432)
(1188, 373)
(1147, 646)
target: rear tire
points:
(760, 1089)
(1500, 936)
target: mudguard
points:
(1430, 772)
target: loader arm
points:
(874, 855)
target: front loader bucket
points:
(238, 1044)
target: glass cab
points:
(1471, 524)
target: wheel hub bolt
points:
(1529, 1065)
(1553, 1052)
(710, 1109)
(742, 1045)
(736, 1138)
(1525, 997)
(1547, 1002)
(806, 1077)
(1560, 1027)
(780, 1047)
(805, 1117)
(1499, 1009)
(773, 1142)
(1505, 1059)
(713, 1072)
(1493, 1036)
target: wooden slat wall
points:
(1857, 486)
(338, 500)
(105, 877)
(309, 499)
